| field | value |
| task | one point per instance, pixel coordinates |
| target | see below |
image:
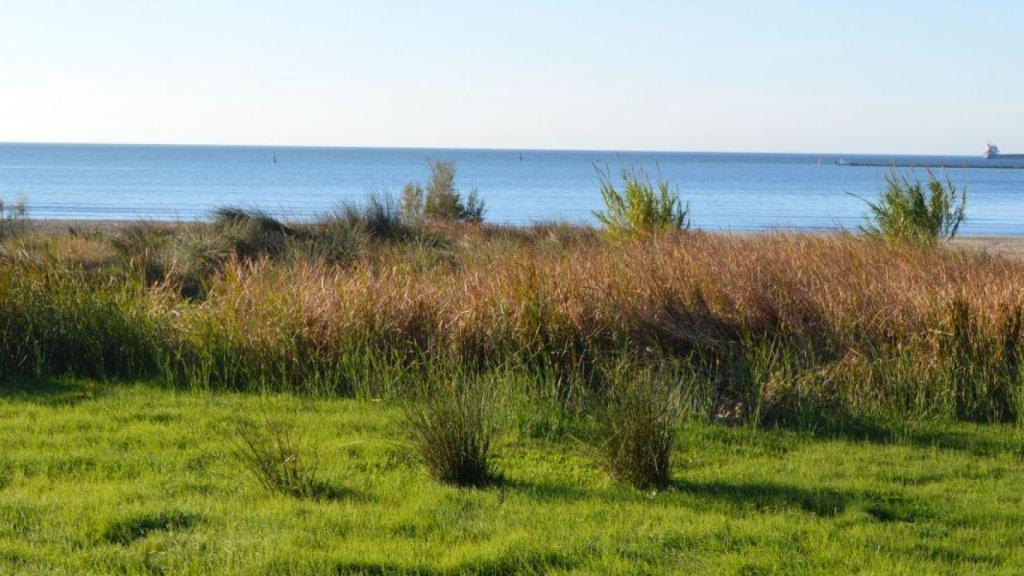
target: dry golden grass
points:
(781, 324)
(688, 291)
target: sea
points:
(725, 191)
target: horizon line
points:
(469, 148)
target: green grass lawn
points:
(135, 479)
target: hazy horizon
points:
(486, 148)
(930, 78)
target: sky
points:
(904, 76)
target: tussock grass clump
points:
(332, 240)
(441, 200)
(452, 430)
(379, 217)
(641, 418)
(249, 234)
(640, 209)
(270, 452)
(908, 211)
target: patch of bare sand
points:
(1001, 245)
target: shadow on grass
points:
(323, 490)
(765, 496)
(505, 564)
(760, 496)
(131, 528)
(47, 391)
(823, 502)
(932, 436)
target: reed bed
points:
(809, 330)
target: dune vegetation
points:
(813, 331)
(663, 398)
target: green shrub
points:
(908, 211)
(441, 200)
(13, 220)
(452, 430)
(270, 452)
(640, 209)
(412, 202)
(642, 417)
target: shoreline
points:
(993, 244)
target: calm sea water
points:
(725, 191)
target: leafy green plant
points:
(440, 200)
(642, 417)
(642, 207)
(452, 430)
(910, 211)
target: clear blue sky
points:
(909, 76)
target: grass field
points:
(138, 479)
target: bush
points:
(441, 200)
(639, 209)
(642, 416)
(13, 220)
(906, 211)
(452, 432)
(270, 453)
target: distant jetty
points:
(940, 165)
(992, 158)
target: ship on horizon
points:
(992, 153)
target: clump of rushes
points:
(270, 453)
(378, 217)
(441, 200)
(642, 416)
(452, 429)
(907, 211)
(639, 209)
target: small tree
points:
(13, 220)
(441, 200)
(412, 201)
(640, 209)
(909, 212)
